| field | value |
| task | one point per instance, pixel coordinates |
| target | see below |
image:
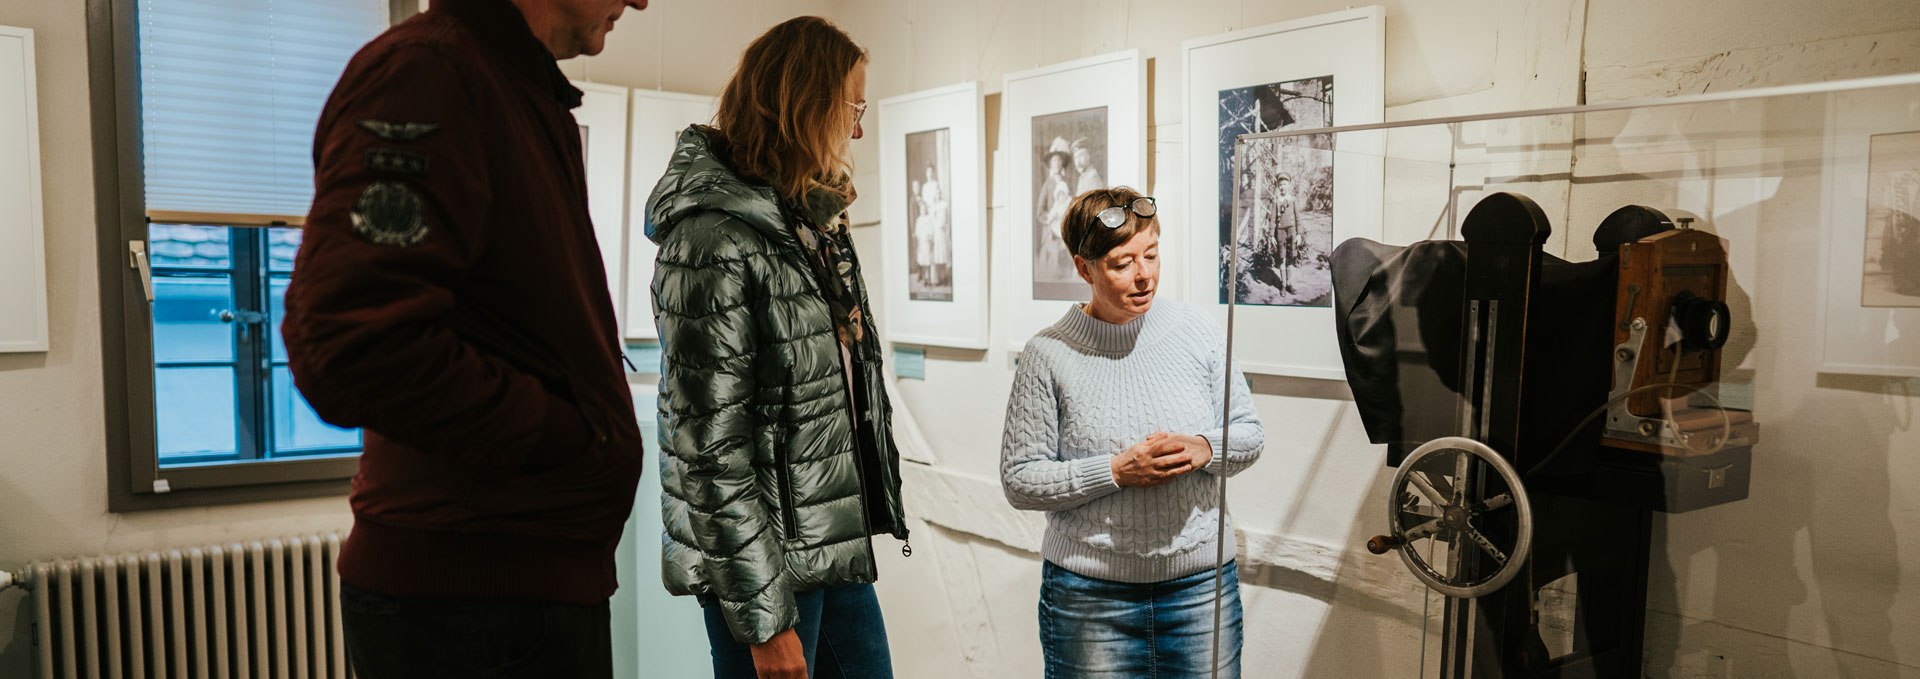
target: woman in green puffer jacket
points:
(779, 459)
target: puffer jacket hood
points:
(777, 465)
(698, 181)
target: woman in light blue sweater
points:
(1115, 430)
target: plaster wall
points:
(1793, 582)
(53, 475)
(53, 472)
(1804, 579)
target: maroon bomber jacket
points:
(449, 298)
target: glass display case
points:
(1627, 388)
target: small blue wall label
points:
(910, 363)
(645, 357)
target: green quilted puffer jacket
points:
(768, 490)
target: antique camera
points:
(1670, 326)
(1539, 411)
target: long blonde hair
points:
(784, 115)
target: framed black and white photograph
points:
(1285, 195)
(657, 119)
(1069, 157)
(929, 253)
(1891, 269)
(23, 278)
(933, 216)
(602, 117)
(1262, 228)
(1067, 129)
(1872, 283)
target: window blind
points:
(230, 92)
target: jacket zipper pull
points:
(906, 548)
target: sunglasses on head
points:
(1113, 217)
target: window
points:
(204, 113)
(222, 392)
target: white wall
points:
(685, 46)
(53, 480)
(1806, 578)
(1802, 579)
(1767, 587)
(53, 485)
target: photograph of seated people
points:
(500, 433)
(1114, 430)
(778, 460)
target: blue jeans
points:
(840, 629)
(1159, 630)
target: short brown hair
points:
(1083, 222)
(783, 114)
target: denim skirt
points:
(1093, 628)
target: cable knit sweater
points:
(1086, 390)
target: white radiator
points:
(261, 610)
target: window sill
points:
(124, 502)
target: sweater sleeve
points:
(1238, 446)
(1032, 473)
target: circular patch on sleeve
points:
(389, 213)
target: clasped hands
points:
(1160, 459)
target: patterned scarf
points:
(821, 224)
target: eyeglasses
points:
(1115, 216)
(859, 111)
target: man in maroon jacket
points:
(451, 301)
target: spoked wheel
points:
(1455, 543)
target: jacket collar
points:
(503, 29)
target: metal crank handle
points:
(1381, 544)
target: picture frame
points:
(1320, 71)
(1090, 116)
(933, 184)
(658, 118)
(602, 117)
(23, 275)
(1871, 296)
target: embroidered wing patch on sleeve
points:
(398, 132)
(389, 213)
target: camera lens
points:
(1704, 323)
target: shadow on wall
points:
(1804, 570)
(16, 644)
(1730, 592)
(1363, 634)
(27, 361)
(1851, 527)
(1838, 513)
(26, 514)
(1357, 616)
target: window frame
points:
(135, 480)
